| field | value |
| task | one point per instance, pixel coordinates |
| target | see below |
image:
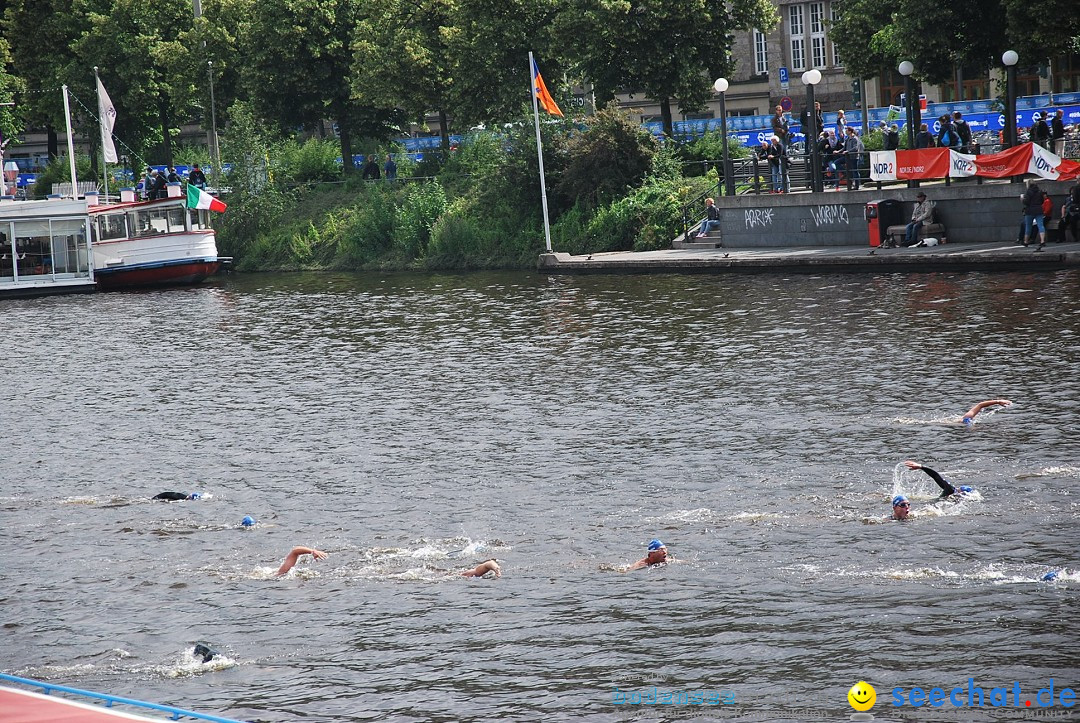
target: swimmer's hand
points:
(912, 465)
(319, 554)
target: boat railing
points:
(173, 712)
(64, 189)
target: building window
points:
(761, 54)
(817, 34)
(835, 51)
(796, 29)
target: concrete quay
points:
(971, 256)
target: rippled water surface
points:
(415, 425)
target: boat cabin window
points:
(112, 226)
(155, 221)
(33, 248)
(200, 219)
(69, 247)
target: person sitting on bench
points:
(922, 213)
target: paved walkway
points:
(819, 259)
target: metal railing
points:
(174, 713)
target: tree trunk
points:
(444, 131)
(163, 117)
(347, 162)
(665, 113)
(53, 142)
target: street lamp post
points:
(1010, 58)
(906, 69)
(811, 78)
(721, 86)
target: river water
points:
(415, 425)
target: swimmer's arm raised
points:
(946, 488)
(971, 413)
(294, 555)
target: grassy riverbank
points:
(610, 187)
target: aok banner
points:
(926, 163)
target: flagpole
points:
(71, 146)
(104, 157)
(540, 154)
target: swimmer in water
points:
(484, 568)
(947, 490)
(969, 416)
(900, 507)
(656, 555)
(294, 555)
(176, 496)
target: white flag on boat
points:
(107, 113)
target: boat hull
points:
(156, 274)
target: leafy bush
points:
(613, 154)
(58, 170)
(314, 160)
(419, 207)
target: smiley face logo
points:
(862, 696)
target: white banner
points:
(107, 113)
(961, 165)
(883, 165)
(1043, 163)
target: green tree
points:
(297, 64)
(670, 49)
(612, 155)
(488, 64)
(141, 58)
(401, 57)
(861, 34)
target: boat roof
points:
(123, 206)
(25, 706)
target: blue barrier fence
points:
(173, 712)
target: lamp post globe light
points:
(721, 86)
(811, 78)
(1009, 58)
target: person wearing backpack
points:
(963, 130)
(947, 137)
(1040, 132)
(1057, 133)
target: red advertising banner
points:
(1010, 162)
(1068, 170)
(923, 163)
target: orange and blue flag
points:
(541, 92)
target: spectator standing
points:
(780, 126)
(923, 139)
(371, 169)
(197, 177)
(1033, 214)
(892, 138)
(1070, 215)
(148, 183)
(158, 185)
(963, 131)
(777, 156)
(853, 150)
(1057, 133)
(1040, 132)
(825, 152)
(841, 125)
(947, 136)
(390, 168)
(173, 176)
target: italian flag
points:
(198, 198)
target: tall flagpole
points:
(539, 153)
(104, 158)
(71, 146)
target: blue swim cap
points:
(898, 499)
(965, 489)
(195, 496)
(1051, 576)
(248, 521)
(969, 421)
(655, 545)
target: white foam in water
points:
(698, 515)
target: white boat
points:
(151, 243)
(45, 248)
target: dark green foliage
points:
(612, 155)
